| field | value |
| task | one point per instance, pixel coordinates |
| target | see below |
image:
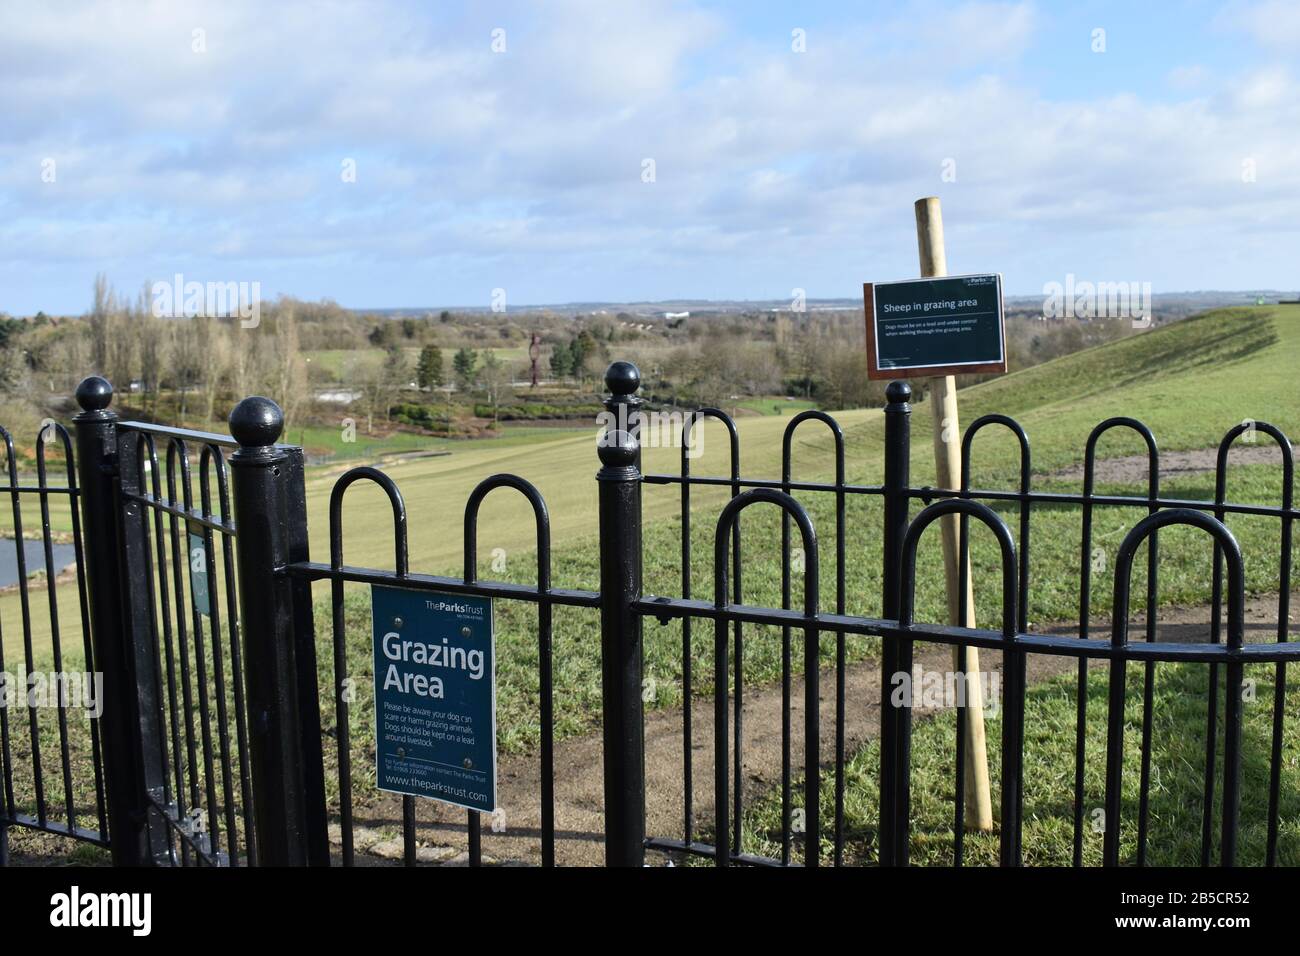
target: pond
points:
(64, 555)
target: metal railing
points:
(899, 542)
(78, 756)
(198, 612)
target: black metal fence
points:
(210, 748)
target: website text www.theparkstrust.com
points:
(1191, 898)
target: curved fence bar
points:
(688, 450)
(1249, 429)
(698, 417)
(787, 440)
(963, 575)
(1013, 668)
(342, 681)
(727, 523)
(545, 678)
(1085, 601)
(1232, 702)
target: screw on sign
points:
(435, 696)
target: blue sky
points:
(133, 145)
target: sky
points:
(392, 154)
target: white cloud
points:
(526, 165)
(1272, 23)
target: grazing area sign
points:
(938, 326)
(435, 696)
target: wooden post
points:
(942, 399)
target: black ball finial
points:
(94, 393)
(617, 449)
(898, 392)
(622, 378)
(256, 422)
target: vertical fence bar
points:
(128, 722)
(619, 481)
(139, 640)
(1283, 626)
(304, 632)
(56, 642)
(178, 546)
(893, 843)
(176, 794)
(7, 808)
(688, 684)
(286, 784)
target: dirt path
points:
(1175, 464)
(578, 774)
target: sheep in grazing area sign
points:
(938, 326)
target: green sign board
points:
(435, 696)
(930, 327)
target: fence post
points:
(121, 635)
(283, 713)
(895, 722)
(619, 482)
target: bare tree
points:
(494, 379)
(247, 359)
(288, 382)
(149, 347)
(103, 307)
(377, 381)
(214, 358)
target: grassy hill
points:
(1189, 382)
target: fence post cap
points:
(256, 422)
(622, 378)
(898, 392)
(94, 393)
(617, 449)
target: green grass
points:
(776, 405)
(319, 440)
(1222, 368)
(1183, 570)
(1176, 794)
(1189, 382)
(327, 440)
